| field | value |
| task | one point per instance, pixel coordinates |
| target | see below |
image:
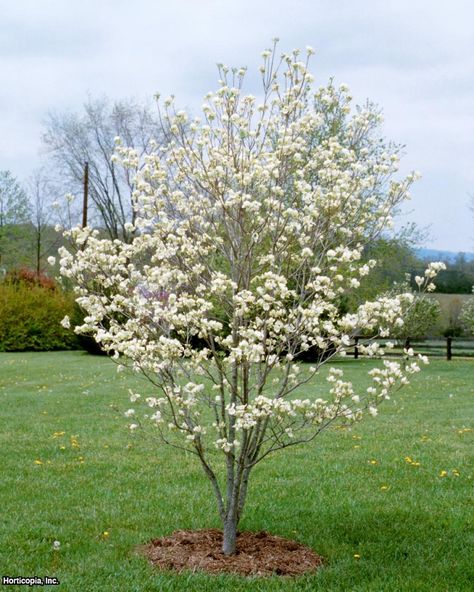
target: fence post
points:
(356, 349)
(407, 343)
(449, 348)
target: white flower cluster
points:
(431, 272)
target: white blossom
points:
(66, 322)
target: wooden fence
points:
(446, 347)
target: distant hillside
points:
(439, 255)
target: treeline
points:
(457, 278)
(20, 248)
(28, 218)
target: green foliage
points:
(453, 330)
(16, 246)
(420, 317)
(458, 278)
(395, 258)
(14, 208)
(14, 204)
(30, 317)
(466, 316)
(18, 243)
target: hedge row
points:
(30, 317)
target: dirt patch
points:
(258, 554)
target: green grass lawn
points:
(382, 523)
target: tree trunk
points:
(230, 536)
(38, 254)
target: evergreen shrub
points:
(31, 312)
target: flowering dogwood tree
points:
(250, 224)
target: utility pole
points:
(86, 192)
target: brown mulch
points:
(258, 554)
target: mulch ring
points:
(258, 554)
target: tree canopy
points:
(250, 224)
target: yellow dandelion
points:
(356, 556)
(455, 472)
(443, 474)
(373, 462)
(38, 462)
(384, 488)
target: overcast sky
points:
(414, 58)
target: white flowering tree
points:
(421, 313)
(466, 315)
(249, 229)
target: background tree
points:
(14, 214)
(395, 257)
(421, 315)
(45, 239)
(466, 316)
(458, 278)
(73, 139)
(251, 227)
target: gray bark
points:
(229, 544)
